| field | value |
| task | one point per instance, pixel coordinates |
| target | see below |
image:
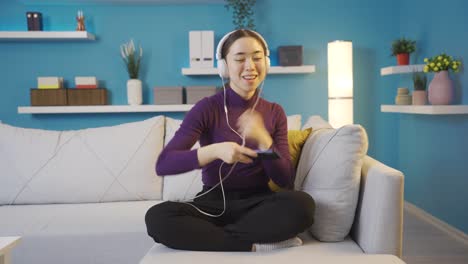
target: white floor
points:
(424, 243)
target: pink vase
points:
(441, 89)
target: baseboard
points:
(436, 222)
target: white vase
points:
(134, 92)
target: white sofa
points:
(81, 196)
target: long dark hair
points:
(240, 33)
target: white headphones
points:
(221, 63)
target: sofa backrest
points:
(102, 164)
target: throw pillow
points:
(296, 140)
(294, 122)
(330, 170)
(102, 164)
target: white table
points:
(6, 245)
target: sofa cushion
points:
(99, 230)
(329, 170)
(184, 186)
(103, 164)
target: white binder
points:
(207, 49)
(195, 49)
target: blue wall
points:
(433, 150)
(162, 31)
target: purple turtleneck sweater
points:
(206, 122)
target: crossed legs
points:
(265, 218)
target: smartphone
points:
(267, 154)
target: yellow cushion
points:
(296, 140)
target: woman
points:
(242, 214)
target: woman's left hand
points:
(251, 126)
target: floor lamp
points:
(340, 83)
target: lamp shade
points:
(340, 83)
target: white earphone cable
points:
(221, 179)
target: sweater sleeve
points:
(280, 171)
(177, 157)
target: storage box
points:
(167, 95)
(48, 97)
(290, 55)
(86, 82)
(87, 96)
(196, 93)
(51, 82)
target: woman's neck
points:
(243, 94)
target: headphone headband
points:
(222, 66)
(219, 48)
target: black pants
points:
(251, 216)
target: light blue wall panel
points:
(433, 150)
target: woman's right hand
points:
(229, 152)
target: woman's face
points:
(246, 66)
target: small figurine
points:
(80, 18)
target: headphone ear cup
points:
(267, 64)
(222, 69)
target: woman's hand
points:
(251, 126)
(229, 152)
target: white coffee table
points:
(6, 245)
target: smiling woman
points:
(236, 210)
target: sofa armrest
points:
(378, 223)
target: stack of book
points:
(34, 21)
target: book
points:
(34, 21)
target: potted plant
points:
(402, 48)
(132, 61)
(242, 12)
(441, 86)
(419, 93)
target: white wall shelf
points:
(426, 109)
(273, 70)
(103, 109)
(45, 35)
(402, 69)
(68, 2)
